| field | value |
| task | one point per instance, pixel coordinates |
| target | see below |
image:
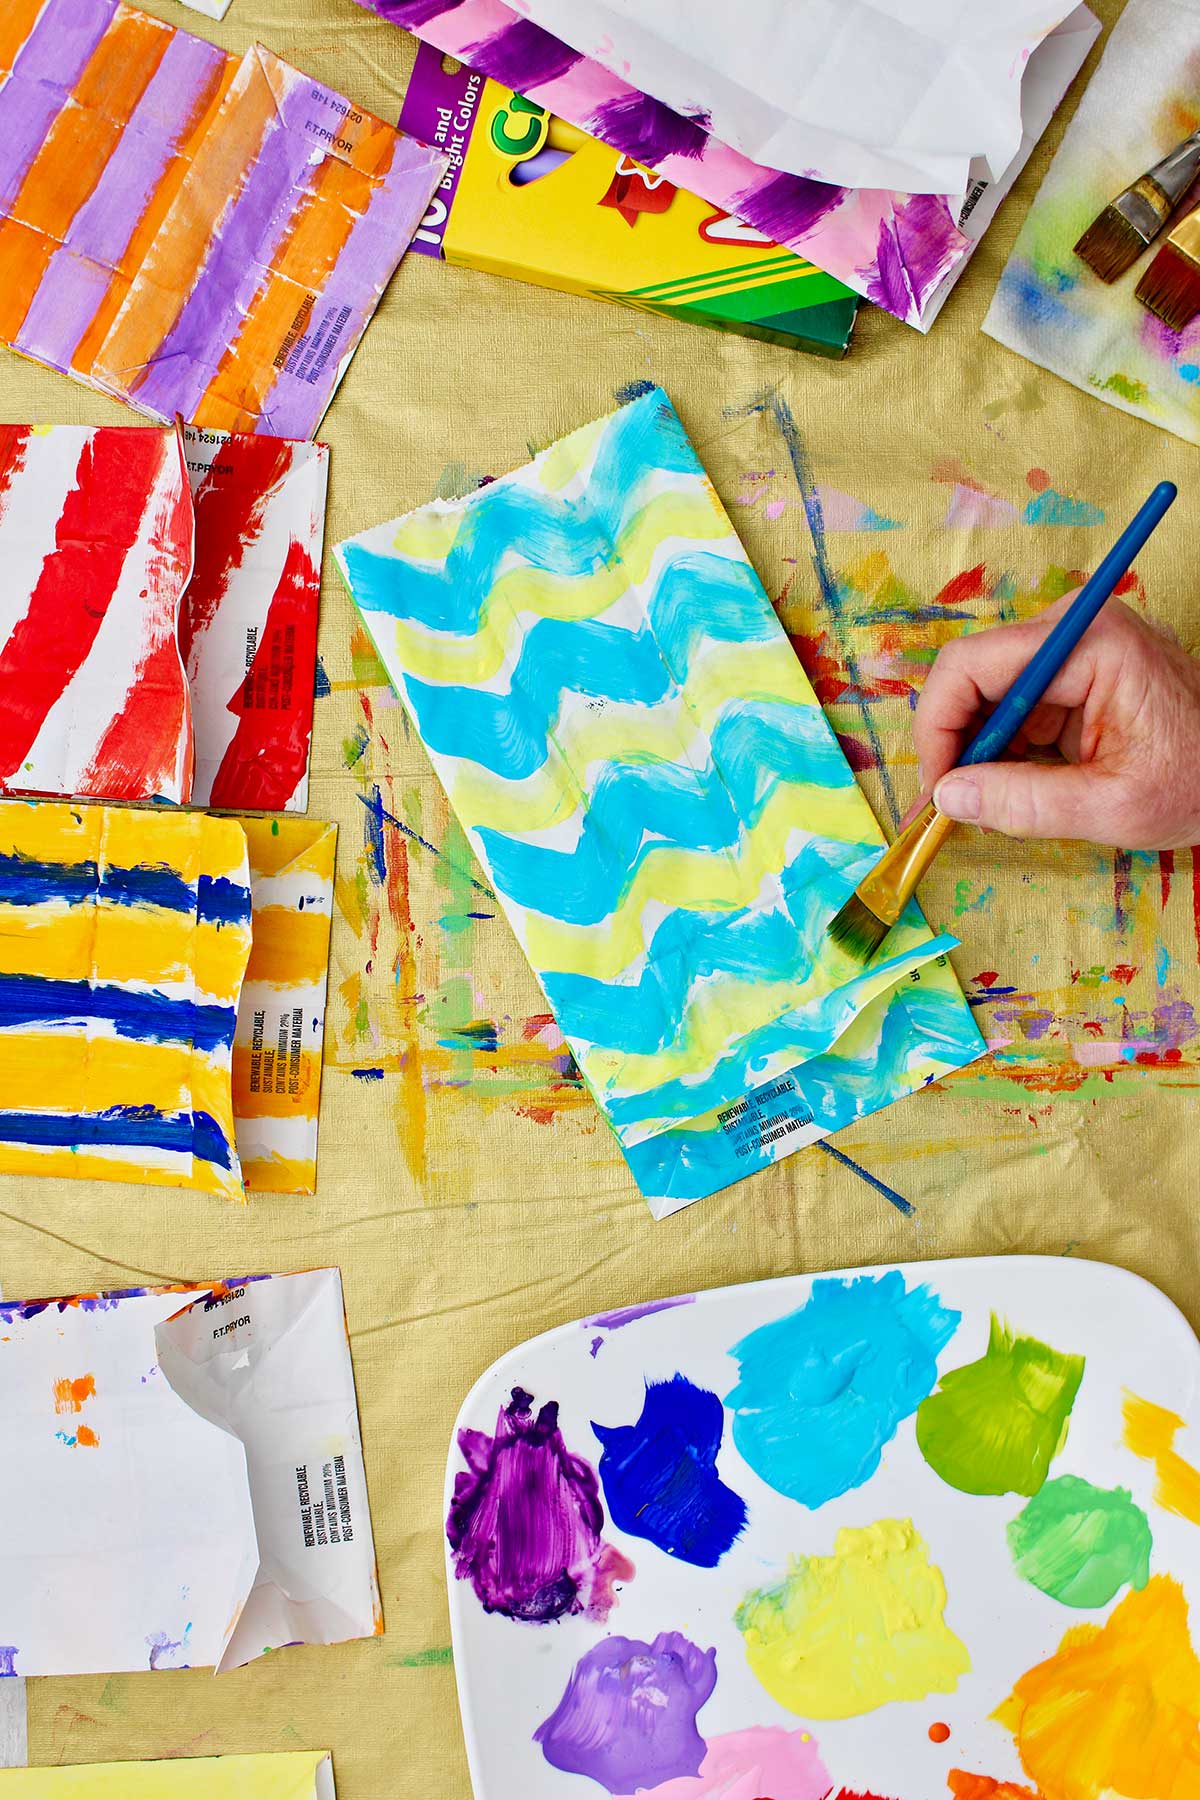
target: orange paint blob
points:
(1116, 1709)
(86, 1438)
(938, 1733)
(69, 1395)
(982, 1787)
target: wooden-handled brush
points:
(879, 899)
(1170, 288)
(1116, 238)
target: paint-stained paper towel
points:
(287, 1775)
(860, 93)
(666, 816)
(192, 1491)
(1049, 305)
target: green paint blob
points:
(1080, 1544)
(437, 1658)
(1128, 387)
(994, 1426)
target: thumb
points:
(1024, 799)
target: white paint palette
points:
(774, 1583)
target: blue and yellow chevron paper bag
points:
(662, 807)
(124, 937)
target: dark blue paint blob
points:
(149, 1017)
(660, 1475)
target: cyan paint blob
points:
(824, 1389)
(660, 1475)
(1052, 508)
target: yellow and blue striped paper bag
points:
(662, 807)
(124, 937)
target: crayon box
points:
(531, 196)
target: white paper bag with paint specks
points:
(184, 1478)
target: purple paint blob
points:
(8, 1659)
(412, 13)
(787, 205)
(645, 129)
(522, 56)
(888, 285)
(628, 1716)
(625, 1315)
(164, 1650)
(526, 1518)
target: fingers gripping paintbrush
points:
(1116, 238)
(879, 899)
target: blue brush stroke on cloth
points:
(660, 1475)
(825, 1388)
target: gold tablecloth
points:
(468, 1188)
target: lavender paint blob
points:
(8, 1659)
(526, 1518)
(647, 130)
(660, 1475)
(628, 1716)
(629, 1315)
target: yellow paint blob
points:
(1150, 1433)
(1114, 1712)
(843, 1634)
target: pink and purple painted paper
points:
(903, 251)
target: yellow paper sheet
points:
(467, 1187)
(301, 1775)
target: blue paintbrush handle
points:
(998, 732)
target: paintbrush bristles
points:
(857, 931)
(1170, 288)
(1110, 245)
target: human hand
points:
(1124, 711)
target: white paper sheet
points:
(899, 94)
(186, 1485)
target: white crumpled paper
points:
(900, 94)
(186, 1478)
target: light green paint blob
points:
(439, 1657)
(965, 901)
(1081, 1544)
(994, 1426)
(1128, 387)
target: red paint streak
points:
(95, 532)
(1196, 897)
(534, 1025)
(229, 517)
(1166, 868)
(970, 585)
(267, 755)
(938, 1733)
(13, 442)
(1094, 1026)
(1038, 480)
(1128, 584)
(829, 678)
(987, 977)
(138, 756)
(1123, 974)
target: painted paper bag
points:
(281, 1017)
(903, 251)
(192, 1491)
(96, 554)
(290, 1775)
(124, 937)
(248, 630)
(664, 812)
(197, 234)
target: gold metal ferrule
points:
(1186, 235)
(889, 887)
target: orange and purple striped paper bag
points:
(196, 234)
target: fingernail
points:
(958, 797)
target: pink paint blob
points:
(763, 1763)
